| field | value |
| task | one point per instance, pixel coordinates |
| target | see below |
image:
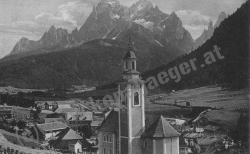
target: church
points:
(126, 130)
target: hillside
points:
(232, 37)
(19, 142)
(95, 62)
(208, 33)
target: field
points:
(12, 90)
(212, 96)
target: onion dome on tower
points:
(129, 64)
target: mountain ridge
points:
(208, 33)
(109, 17)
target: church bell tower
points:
(132, 107)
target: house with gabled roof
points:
(49, 130)
(78, 120)
(70, 140)
(50, 105)
(126, 131)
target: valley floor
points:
(212, 96)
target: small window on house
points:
(104, 151)
(104, 138)
(110, 151)
(136, 99)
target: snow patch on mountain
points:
(115, 16)
(111, 3)
(144, 23)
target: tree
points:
(86, 131)
(13, 123)
(21, 124)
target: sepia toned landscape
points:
(124, 77)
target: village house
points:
(50, 130)
(50, 105)
(214, 130)
(94, 126)
(126, 131)
(75, 146)
(78, 120)
(178, 124)
(69, 140)
(184, 148)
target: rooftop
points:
(71, 136)
(129, 55)
(51, 120)
(76, 116)
(50, 103)
(52, 126)
(110, 124)
(160, 129)
(65, 110)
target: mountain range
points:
(110, 20)
(93, 54)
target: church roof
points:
(160, 129)
(129, 55)
(110, 124)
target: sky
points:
(31, 18)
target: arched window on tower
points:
(133, 65)
(136, 99)
(126, 65)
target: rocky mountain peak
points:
(221, 17)
(111, 3)
(207, 34)
(157, 8)
(174, 21)
(140, 6)
(52, 29)
(210, 26)
(21, 46)
(173, 15)
(75, 32)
